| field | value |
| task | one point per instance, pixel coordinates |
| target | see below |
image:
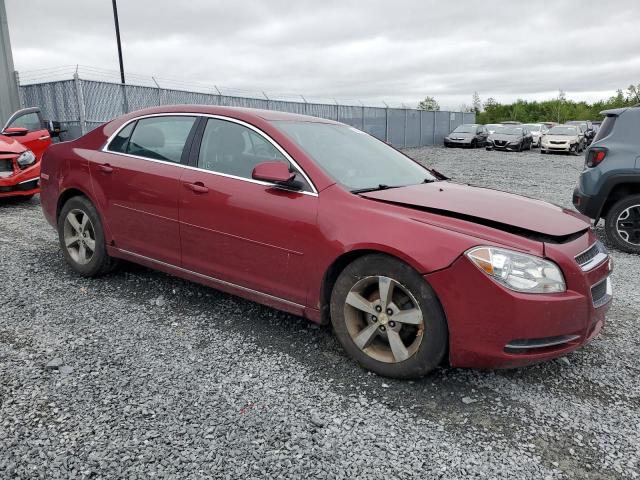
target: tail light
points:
(595, 156)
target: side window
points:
(234, 149)
(30, 121)
(121, 140)
(160, 138)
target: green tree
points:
(429, 103)
(477, 103)
(633, 93)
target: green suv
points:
(609, 185)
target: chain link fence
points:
(81, 105)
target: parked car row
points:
(572, 137)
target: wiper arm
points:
(381, 186)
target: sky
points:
(370, 51)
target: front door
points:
(243, 231)
(37, 138)
(136, 183)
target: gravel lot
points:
(161, 377)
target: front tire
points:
(622, 224)
(388, 318)
(82, 240)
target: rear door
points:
(37, 139)
(136, 181)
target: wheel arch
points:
(68, 194)
(340, 263)
(622, 188)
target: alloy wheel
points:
(79, 236)
(384, 319)
(628, 225)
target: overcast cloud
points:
(398, 51)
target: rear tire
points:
(401, 334)
(82, 240)
(622, 224)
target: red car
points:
(23, 140)
(322, 220)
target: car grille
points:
(592, 257)
(601, 293)
(501, 143)
(6, 165)
(557, 143)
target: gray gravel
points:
(139, 374)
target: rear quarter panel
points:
(65, 168)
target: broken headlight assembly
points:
(26, 159)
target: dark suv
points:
(587, 128)
(609, 185)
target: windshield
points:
(509, 130)
(353, 158)
(533, 127)
(465, 129)
(582, 124)
(563, 131)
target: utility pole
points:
(9, 98)
(117, 24)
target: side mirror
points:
(15, 132)
(273, 172)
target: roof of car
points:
(617, 111)
(269, 115)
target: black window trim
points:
(197, 143)
(184, 156)
(192, 147)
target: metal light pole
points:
(9, 99)
(117, 24)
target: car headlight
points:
(26, 158)
(518, 271)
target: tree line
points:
(558, 109)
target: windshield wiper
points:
(380, 186)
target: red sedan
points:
(322, 220)
(23, 140)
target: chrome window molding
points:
(314, 191)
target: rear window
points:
(606, 127)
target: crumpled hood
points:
(493, 208)
(9, 145)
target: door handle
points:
(105, 168)
(197, 187)
(44, 137)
